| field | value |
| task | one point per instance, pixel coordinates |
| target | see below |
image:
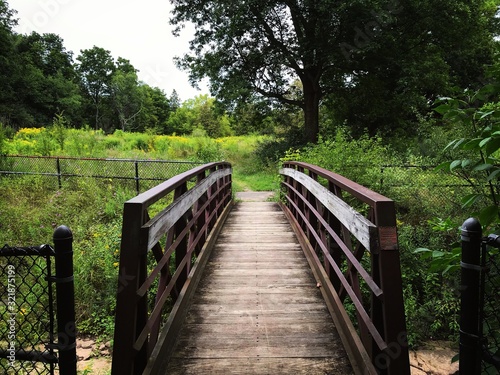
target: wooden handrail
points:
(355, 258)
(157, 254)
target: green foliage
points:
(478, 153)
(342, 152)
(93, 209)
(3, 138)
(58, 130)
(93, 212)
(474, 159)
(427, 294)
(360, 59)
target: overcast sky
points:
(135, 30)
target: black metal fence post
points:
(137, 189)
(58, 165)
(66, 329)
(470, 345)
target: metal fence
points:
(139, 174)
(27, 346)
(420, 192)
(37, 334)
(490, 305)
(480, 301)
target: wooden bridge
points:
(310, 285)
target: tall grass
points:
(239, 151)
(31, 208)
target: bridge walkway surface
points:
(258, 308)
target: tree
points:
(127, 98)
(47, 53)
(407, 56)
(48, 83)
(96, 67)
(157, 109)
(260, 47)
(257, 47)
(199, 113)
(8, 66)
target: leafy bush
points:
(29, 213)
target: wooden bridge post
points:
(130, 313)
(389, 315)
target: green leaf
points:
(466, 163)
(470, 199)
(493, 174)
(484, 141)
(421, 250)
(438, 254)
(485, 114)
(459, 142)
(450, 144)
(455, 164)
(423, 253)
(483, 167)
(492, 146)
(445, 166)
(488, 215)
(472, 144)
(451, 268)
(443, 108)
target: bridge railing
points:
(160, 242)
(355, 258)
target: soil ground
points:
(432, 359)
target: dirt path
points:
(435, 359)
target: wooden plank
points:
(155, 228)
(269, 281)
(245, 316)
(258, 309)
(363, 229)
(259, 248)
(235, 342)
(223, 288)
(165, 343)
(298, 308)
(246, 366)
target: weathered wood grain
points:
(363, 229)
(257, 309)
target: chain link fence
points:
(490, 308)
(420, 192)
(27, 324)
(140, 175)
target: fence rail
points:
(141, 173)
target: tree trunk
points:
(312, 97)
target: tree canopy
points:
(387, 54)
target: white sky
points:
(138, 31)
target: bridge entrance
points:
(208, 285)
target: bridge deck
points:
(258, 309)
